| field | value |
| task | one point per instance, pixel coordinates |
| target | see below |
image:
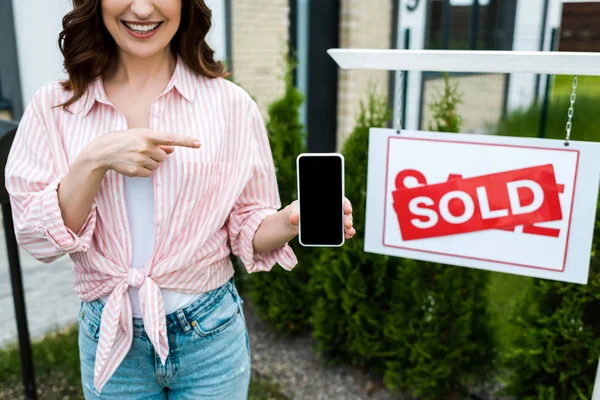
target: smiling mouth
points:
(142, 28)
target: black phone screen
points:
(321, 196)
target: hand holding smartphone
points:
(321, 199)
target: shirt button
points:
(159, 183)
(156, 114)
(41, 232)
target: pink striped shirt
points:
(204, 198)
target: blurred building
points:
(580, 26)
(252, 37)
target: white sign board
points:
(517, 205)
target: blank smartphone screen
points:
(320, 184)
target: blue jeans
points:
(209, 353)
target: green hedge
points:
(424, 327)
(352, 288)
(556, 354)
(557, 325)
(440, 323)
(427, 328)
(282, 297)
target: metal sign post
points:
(7, 134)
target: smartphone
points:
(321, 199)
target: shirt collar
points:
(183, 79)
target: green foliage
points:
(423, 326)
(352, 288)
(441, 319)
(440, 329)
(556, 327)
(505, 293)
(282, 297)
(525, 122)
(588, 86)
(557, 352)
(446, 118)
(57, 353)
(505, 289)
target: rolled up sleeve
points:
(32, 181)
(259, 199)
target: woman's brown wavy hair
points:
(89, 49)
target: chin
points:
(144, 51)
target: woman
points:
(147, 167)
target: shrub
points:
(441, 325)
(445, 115)
(351, 288)
(423, 326)
(281, 297)
(556, 351)
(556, 354)
(440, 329)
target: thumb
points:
(294, 216)
(167, 149)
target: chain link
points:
(399, 79)
(571, 111)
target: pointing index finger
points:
(173, 139)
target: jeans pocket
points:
(89, 323)
(218, 317)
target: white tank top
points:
(139, 196)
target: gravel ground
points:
(294, 365)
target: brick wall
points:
(363, 24)
(260, 33)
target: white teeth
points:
(141, 28)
